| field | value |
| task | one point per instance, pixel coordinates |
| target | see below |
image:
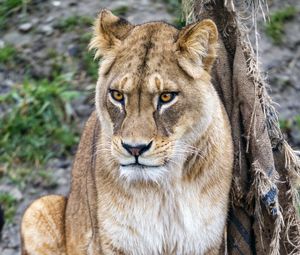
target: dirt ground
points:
(38, 32)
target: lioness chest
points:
(183, 221)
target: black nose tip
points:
(137, 150)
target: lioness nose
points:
(137, 150)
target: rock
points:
(17, 39)
(57, 163)
(8, 252)
(73, 50)
(295, 134)
(83, 110)
(56, 3)
(62, 178)
(49, 19)
(13, 191)
(2, 221)
(8, 83)
(16, 193)
(275, 57)
(11, 235)
(27, 52)
(2, 75)
(35, 21)
(14, 240)
(283, 81)
(40, 71)
(291, 38)
(73, 3)
(2, 44)
(46, 29)
(25, 27)
(64, 163)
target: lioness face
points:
(153, 96)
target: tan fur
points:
(47, 216)
(176, 203)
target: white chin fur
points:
(145, 174)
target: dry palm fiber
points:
(263, 218)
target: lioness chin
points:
(153, 169)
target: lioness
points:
(153, 169)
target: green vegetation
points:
(37, 119)
(288, 124)
(297, 119)
(285, 125)
(90, 65)
(9, 204)
(120, 11)
(8, 8)
(74, 22)
(275, 27)
(22, 176)
(56, 63)
(85, 38)
(7, 53)
(85, 58)
(174, 7)
(38, 123)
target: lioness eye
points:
(117, 95)
(167, 97)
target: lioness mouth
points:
(139, 165)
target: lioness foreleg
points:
(42, 228)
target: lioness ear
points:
(196, 47)
(109, 31)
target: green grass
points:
(38, 123)
(121, 11)
(85, 58)
(7, 54)
(85, 38)
(174, 7)
(88, 63)
(275, 27)
(288, 126)
(285, 125)
(297, 119)
(73, 22)
(9, 204)
(8, 8)
(24, 176)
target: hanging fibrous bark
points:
(263, 218)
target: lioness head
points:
(153, 96)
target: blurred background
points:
(47, 81)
